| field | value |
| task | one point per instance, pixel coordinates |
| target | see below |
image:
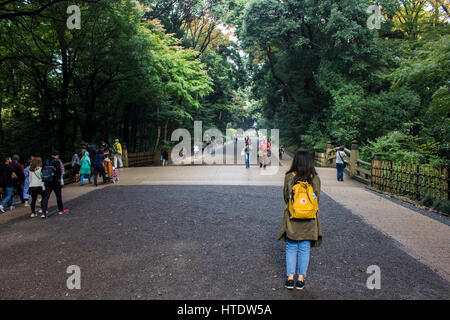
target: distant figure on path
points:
(20, 176)
(51, 176)
(36, 184)
(6, 183)
(26, 184)
(117, 154)
(340, 163)
(196, 150)
(98, 166)
(76, 164)
(302, 233)
(165, 157)
(85, 170)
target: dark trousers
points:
(48, 192)
(99, 171)
(340, 171)
(35, 191)
(19, 188)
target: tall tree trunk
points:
(165, 131)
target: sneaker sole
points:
(289, 288)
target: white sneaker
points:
(40, 211)
(33, 215)
(11, 208)
(2, 210)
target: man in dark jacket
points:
(98, 166)
(6, 183)
(19, 181)
(52, 184)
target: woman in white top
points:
(36, 184)
(340, 163)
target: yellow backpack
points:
(303, 203)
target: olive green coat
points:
(300, 229)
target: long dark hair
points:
(303, 166)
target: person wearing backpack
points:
(340, 163)
(300, 227)
(6, 183)
(85, 170)
(51, 176)
(36, 183)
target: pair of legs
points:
(48, 191)
(88, 176)
(118, 158)
(297, 258)
(98, 171)
(19, 189)
(247, 160)
(8, 200)
(35, 191)
(340, 171)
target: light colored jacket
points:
(338, 158)
(35, 178)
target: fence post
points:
(354, 156)
(328, 152)
(125, 155)
(376, 163)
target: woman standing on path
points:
(300, 234)
(36, 184)
(85, 170)
(26, 185)
(340, 163)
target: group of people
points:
(90, 160)
(264, 151)
(37, 179)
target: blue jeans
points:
(340, 171)
(83, 176)
(302, 248)
(8, 196)
(247, 160)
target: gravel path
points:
(198, 242)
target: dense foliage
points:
(136, 70)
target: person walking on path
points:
(26, 185)
(98, 166)
(85, 170)
(300, 234)
(51, 176)
(36, 184)
(247, 152)
(20, 176)
(340, 163)
(76, 164)
(117, 154)
(263, 152)
(7, 175)
(165, 157)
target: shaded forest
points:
(137, 70)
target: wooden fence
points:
(413, 181)
(138, 159)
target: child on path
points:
(85, 170)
